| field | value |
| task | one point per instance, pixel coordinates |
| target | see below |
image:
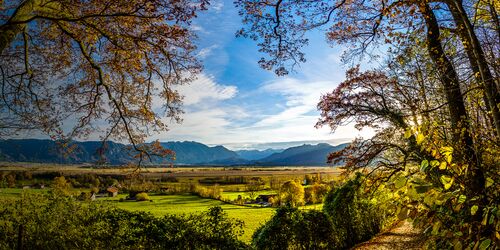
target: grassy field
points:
(253, 217)
(161, 205)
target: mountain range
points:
(187, 153)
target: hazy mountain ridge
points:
(187, 153)
(305, 155)
(257, 154)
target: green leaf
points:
(473, 209)
(485, 244)
(462, 198)
(435, 228)
(422, 188)
(400, 182)
(458, 246)
(424, 165)
(489, 182)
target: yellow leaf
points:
(446, 181)
(473, 209)
(489, 182)
(407, 133)
(442, 166)
(420, 138)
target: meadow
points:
(160, 204)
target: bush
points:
(142, 197)
(347, 219)
(291, 228)
(355, 220)
(68, 224)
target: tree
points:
(61, 186)
(433, 103)
(253, 186)
(292, 193)
(95, 63)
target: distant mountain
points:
(187, 153)
(305, 155)
(190, 152)
(257, 154)
(48, 151)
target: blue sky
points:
(237, 104)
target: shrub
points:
(60, 186)
(354, 218)
(291, 228)
(142, 197)
(68, 224)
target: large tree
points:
(74, 67)
(434, 102)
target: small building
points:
(112, 191)
(38, 186)
(266, 197)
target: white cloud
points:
(217, 6)
(205, 89)
(205, 52)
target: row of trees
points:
(434, 103)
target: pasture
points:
(252, 215)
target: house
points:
(266, 197)
(112, 191)
(38, 186)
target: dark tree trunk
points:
(458, 114)
(477, 60)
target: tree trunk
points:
(477, 60)
(458, 114)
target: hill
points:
(305, 155)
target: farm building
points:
(112, 191)
(266, 197)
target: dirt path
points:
(401, 236)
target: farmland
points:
(231, 182)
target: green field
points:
(253, 217)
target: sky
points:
(237, 104)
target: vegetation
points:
(40, 222)
(433, 102)
(347, 218)
(292, 193)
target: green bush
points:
(355, 220)
(347, 219)
(63, 222)
(291, 228)
(142, 197)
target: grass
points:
(253, 217)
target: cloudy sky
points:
(237, 104)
